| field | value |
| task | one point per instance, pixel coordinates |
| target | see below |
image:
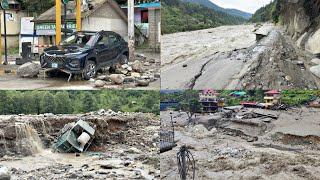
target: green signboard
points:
(65, 1)
(52, 26)
(4, 4)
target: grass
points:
(12, 51)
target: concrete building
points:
(272, 97)
(100, 15)
(13, 21)
(210, 101)
(147, 17)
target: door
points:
(114, 46)
(104, 53)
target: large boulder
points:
(315, 70)
(4, 173)
(137, 66)
(28, 69)
(117, 78)
(142, 82)
(99, 83)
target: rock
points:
(145, 77)
(152, 61)
(288, 78)
(129, 79)
(124, 71)
(129, 68)
(28, 69)
(146, 64)
(134, 150)
(185, 65)
(103, 77)
(4, 173)
(112, 164)
(99, 83)
(141, 56)
(117, 78)
(316, 61)
(92, 80)
(125, 66)
(135, 75)
(315, 70)
(142, 82)
(137, 66)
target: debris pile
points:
(248, 143)
(141, 72)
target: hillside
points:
(211, 5)
(178, 16)
(270, 12)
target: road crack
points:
(197, 76)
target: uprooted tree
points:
(190, 103)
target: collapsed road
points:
(247, 144)
(125, 146)
(235, 57)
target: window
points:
(144, 16)
(113, 39)
(103, 40)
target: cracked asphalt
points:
(229, 57)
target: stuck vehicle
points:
(86, 52)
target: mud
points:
(249, 148)
(125, 147)
(229, 57)
(10, 81)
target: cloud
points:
(244, 5)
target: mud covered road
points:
(253, 148)
(229, 57)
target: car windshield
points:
(80, 39)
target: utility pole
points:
(58, 21)
(0, 43)
(4, 5)
(131, 39)
(5, 38)
(78, 15)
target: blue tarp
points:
(146, 5)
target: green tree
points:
(190, 103)
(47, 103)
(62, 103)
(88, 102)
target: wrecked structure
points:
(248, 143)
(125, 146)
(76, 139)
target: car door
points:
(114, 46)
(104, 53)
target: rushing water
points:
(3, 143)
(27, 139)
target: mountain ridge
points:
(211, 5)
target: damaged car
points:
(85, 53)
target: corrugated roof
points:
(50, 14)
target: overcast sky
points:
(244, 5)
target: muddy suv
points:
(86, 52)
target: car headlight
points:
(75, 63)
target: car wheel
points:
(123, 59)
(90, 70)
